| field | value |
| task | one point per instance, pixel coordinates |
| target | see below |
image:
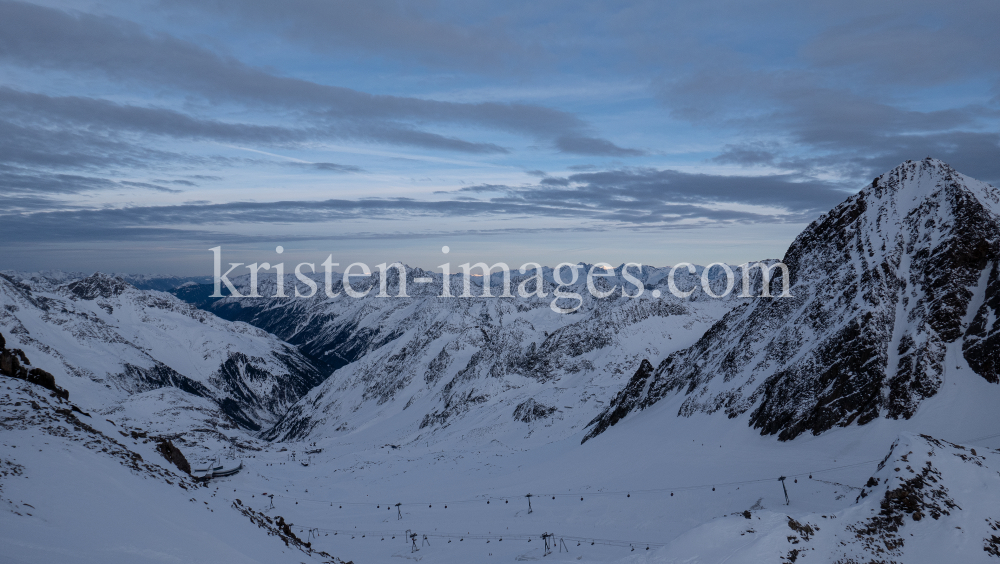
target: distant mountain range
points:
(431, 361)
(892, 290)
(161, 282)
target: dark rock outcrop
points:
(172, 454)
(99, 285)
(42, 378)
(624, 402)
(530, 410)
(14, 363)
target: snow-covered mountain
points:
(894, 291)
(421, 363)
(118, 346)
(162, 282)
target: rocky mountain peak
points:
(884, 285)
(99, 285)
(914, 180)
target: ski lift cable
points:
(607, 493)
(475, 536)
(590, 493)
(303, 528)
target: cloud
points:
(149, 186)
(17, 180)
(810, 127)
(552, 181)
(398, 134)
(649, 191)
(646, 197)
(813, 90)
(107, 116)
(103, 117)
(592, 146)
(38, 37)
(748, 154)
(25, 203)
(412, 32)
(327, 167)
(31, 145)
(911, 46)
(178, 182)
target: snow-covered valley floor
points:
(636, 489)
(679, 486)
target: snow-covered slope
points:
(928, 501)
(420, 364)
(895, 291)
(110, 343)
(78, 488)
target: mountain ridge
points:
(885, 282)
(102, 331)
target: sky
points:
(135, 136)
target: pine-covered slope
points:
(883, 287)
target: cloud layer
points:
(165, 120)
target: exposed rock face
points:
(173, 455)
(882, 286)
(530, 410)
(10, 364)
(14, 363)
(912, 484)
(42, 378)
(435, 361)
(99, 286)
(622, 403)
(49, 417)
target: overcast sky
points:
(136, 135)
